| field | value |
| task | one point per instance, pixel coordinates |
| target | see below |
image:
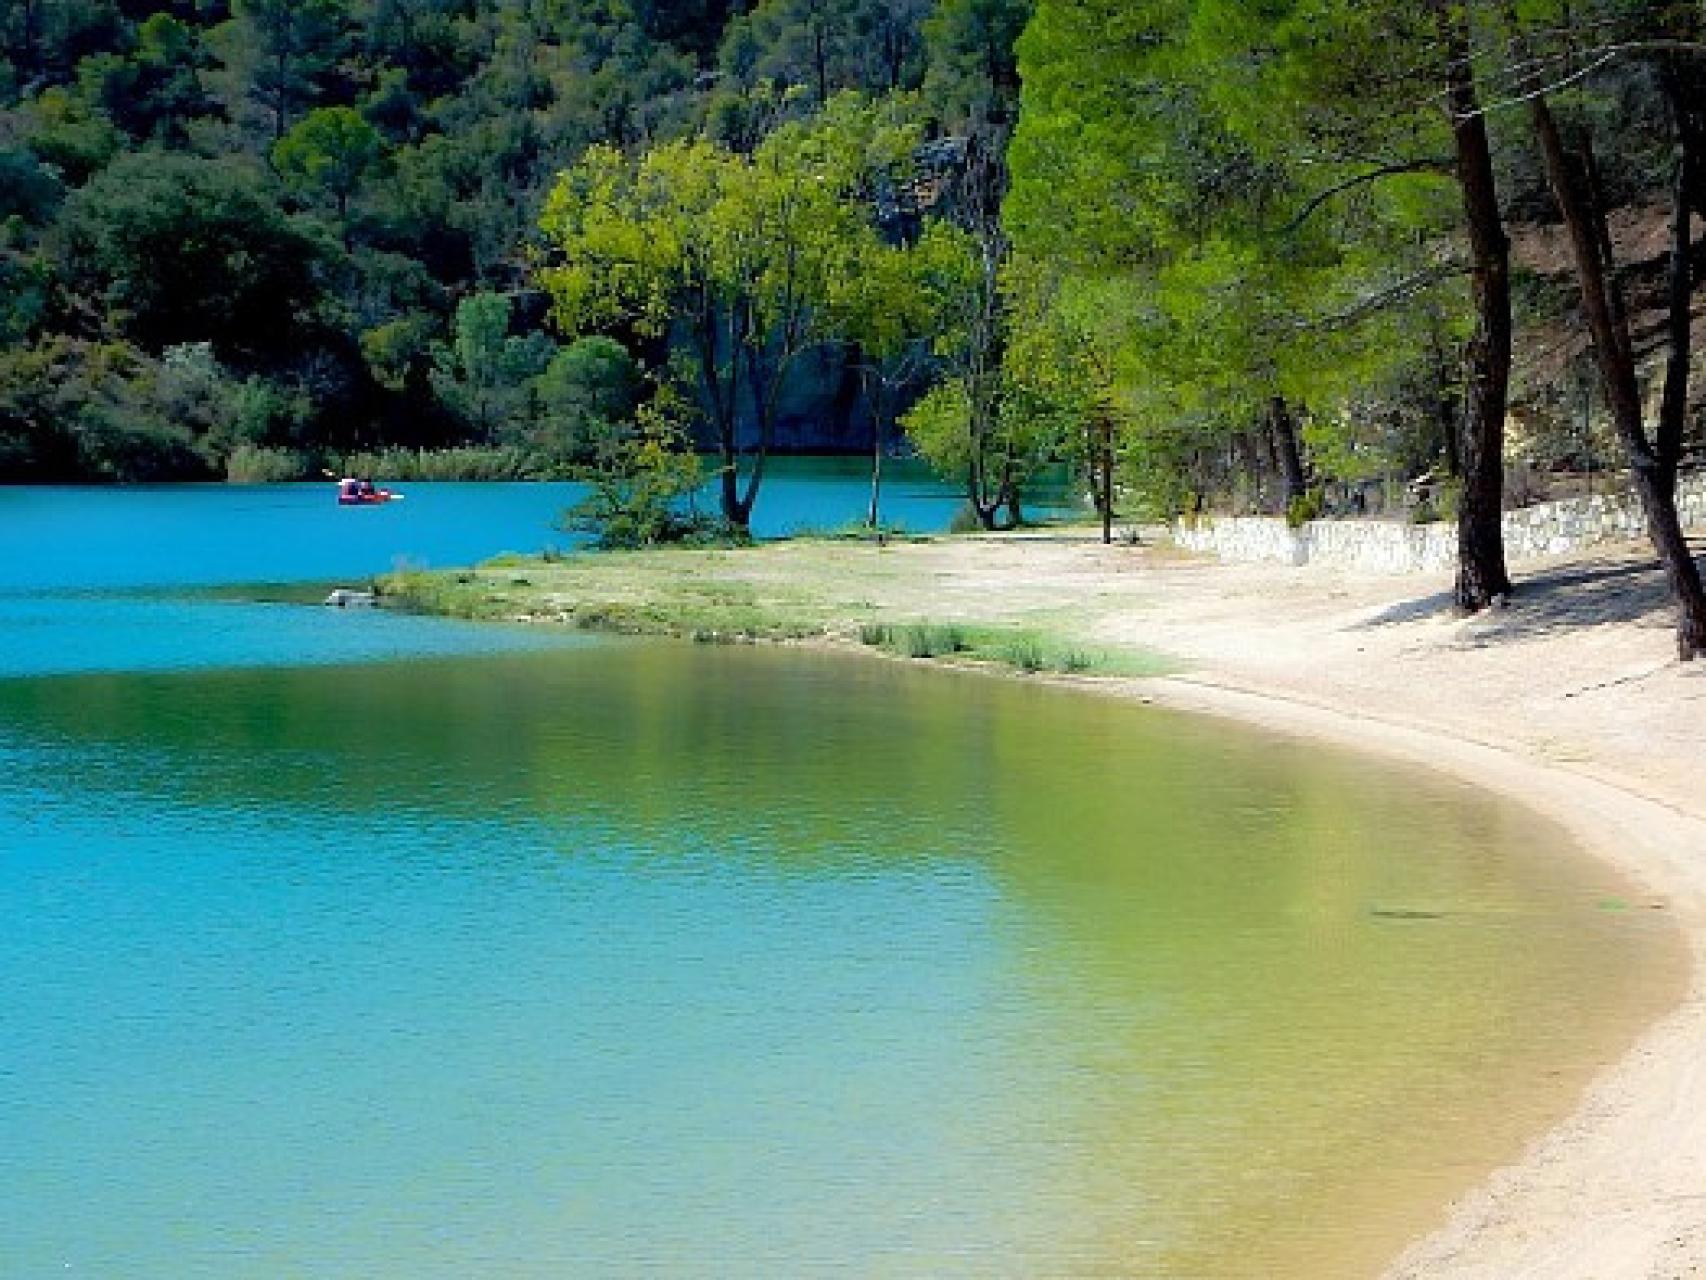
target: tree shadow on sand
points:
(1629, 589)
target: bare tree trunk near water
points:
(1653, 461)
(1481, 573)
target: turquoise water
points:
(150, 535)
(98, 578)
(340, 944)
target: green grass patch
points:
(707, 596)
(1023, 649)
(658, 602)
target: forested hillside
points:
(232, 228)
(1426, 256)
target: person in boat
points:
(366, 491)
(348, 489)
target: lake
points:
(346, 944)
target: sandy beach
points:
(1569, 700)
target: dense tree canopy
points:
(1291, 256)
(316, 189)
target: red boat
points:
(361, 493)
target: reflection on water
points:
(646, 958)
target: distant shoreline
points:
(1575, 710)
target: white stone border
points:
(1388, 546)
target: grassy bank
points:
(880, 597)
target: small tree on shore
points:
(643, 475)
(737, 257)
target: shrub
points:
(1023, 652)
(917, 639)
(263, 464)
(965, 520)
(466, 462)
(71, 409)
(644, 478)
(928, 640)
(1075, 662)
(1304, 508)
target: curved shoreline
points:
(1619, 1188)
(1565, 707)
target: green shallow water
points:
(639, 959)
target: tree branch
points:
(1362, 179)
(1400, 291)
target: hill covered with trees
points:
(1289, 256)
(249, 234)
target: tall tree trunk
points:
(822, 61)
(722, 396)
(764, 380)
(876, 403)
(1107, 463)
(1290, 457)
(1607, 317)
(1682, 91)
(729, 490)
(1481, 572)
(872, 516)
(981, 506)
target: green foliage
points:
(331, 150)
(1197, 138)
(824, 46)
(182, 250)
(1024, 653)
(924, 640)
(341, 201)
(643, 478)
(974, 69)
(463, 462)
(745, 254)
(590, 387)
(278, 56)
(399, 350)
(1024, 650)
(72, 409)
(29, 192)
(1300, 511)
(68, 133)
(994, 426)
(266, 464)
(110, 411)
(313, 186)
(486, 375)
(939, 426)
